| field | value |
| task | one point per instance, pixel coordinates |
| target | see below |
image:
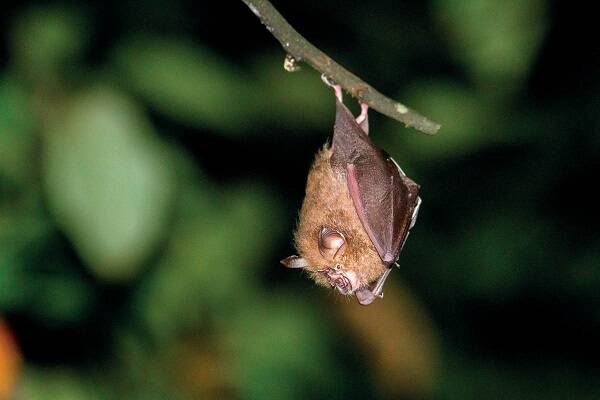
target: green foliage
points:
(190, 84)
(150, 176)
(186, 82)
(44, 39)
(470, 129)
(108, 182)
(16, 131)
(495, 40)
(61, 384)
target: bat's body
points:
(358, 210)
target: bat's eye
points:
(331, 243)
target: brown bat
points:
(357, 212)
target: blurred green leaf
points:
(298, 99)
(45, 38)
(187, 82)
(214, 255)
(495, 40)
(279, 349)
(108, 182)
(33, 279)
(140, 369)
(466, 117)
(19, 232)
(60, 384)
(491, 259)
(16, 130)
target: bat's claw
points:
(337, 88)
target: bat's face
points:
(358, 209)
(332, 246)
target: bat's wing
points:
(385, 199)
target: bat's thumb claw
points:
(365, 296)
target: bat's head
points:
(328, 267)
(333, 247)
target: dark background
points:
(153, 157)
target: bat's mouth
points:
(344, 282)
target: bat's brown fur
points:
(328, 203)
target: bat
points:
(357, 212)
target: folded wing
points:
(384, 198)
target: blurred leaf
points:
(398, 340)
(466, 119)
(34, 279)
(496, 40)
(279, 350)
(187, 82)
(16, 126)
(60, 384)
(108, 182)
(214, 255)
(10, 362)
(20, 233)
(298, 99)
(140, 370)
(59, 298)
(495, 248)
(46, 38)
(197, 366)
(489, 257)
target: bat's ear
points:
(332, 243)
(294, 262)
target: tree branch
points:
(299, 49)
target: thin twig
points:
(301, 50)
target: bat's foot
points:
(362, 120)
(337, 88)
(366, 296)
(364, 109)
(338, 92)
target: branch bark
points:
(301, 49)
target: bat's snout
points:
(346, 282)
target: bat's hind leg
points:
(363, 119)
(337, 88)
(338, 92)
(366, 296)
(364, 109)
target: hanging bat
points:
(357, 212)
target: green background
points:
(153, 157)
